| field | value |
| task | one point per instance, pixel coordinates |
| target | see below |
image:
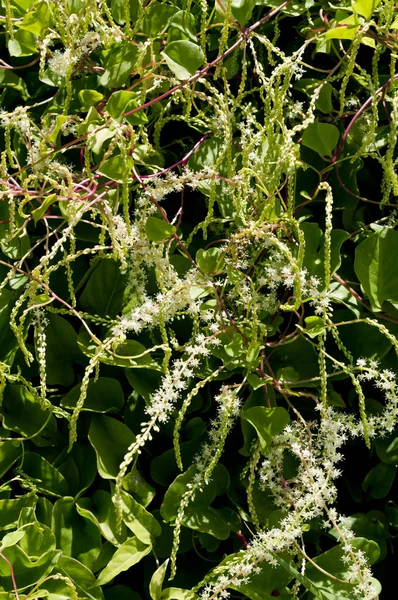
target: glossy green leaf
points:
(375, 267)
(62, 351)
(156, 19)
(75, 536)
(130, 354)
(10, 539)
(200, 515)
(110, 439)
(365, 8)
(321, 137)
(11, 509)
(9, 453)
(25, 43)
(372, 526)
(141, 522)
(319, 583)
(89, 98)
(82, 578)
(100, 510)
(345, 29)
(182, 25)
(379, 480)
(38, 20)
(129, 554)
(119, 63)
(156, 583)
(122, 102)
(23, 414)
(241, 9)
(268, 422)
(183, 58)
(314, 256)
(46, 477)
(32, 558)
(387, 448)
(39, 213)
(103, 395)
(209, 261)
(269, 578)
(158, 230)
(116, 168)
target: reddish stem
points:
(14, 583)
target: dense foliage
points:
(199, 299)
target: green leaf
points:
(346, 29)
(199, 515)
(324, 100)
(100, 510)
(158, 230)
(8, 342)
(9, 453)
(144, 381)
(260, 584)
(116, 168)
(375, 267)
(365, 8)
(110, 439)
(11, 509)
(18, 246)
(241, 9)
(123, 101)
(38, 20)
(156, 19)
(119, 63)
(23, 414)
(314, 257)
(135, 484)
(39, 213)
(387, 448)
(82, 578)
(129, 554)
(32, 558)
(128, 354)
(8, 79)
(321, 585)
(118, 9)
(183, 58)
(62, 351)
(103, 395)
(313, 326)
(45, 476)
(103, 293)
(141, 522)
(24, 43)
(210, 261)
(362, 340)
(156, 583)
(182, 26)
(76, 536)
(89, 98)
(268, 422)
(10, 539)
(300, 355)
(372, 526)
(321, 137)
(379, 480)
